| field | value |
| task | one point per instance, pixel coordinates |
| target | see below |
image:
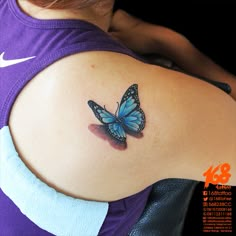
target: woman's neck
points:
(99, 15)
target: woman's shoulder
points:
(185, 124)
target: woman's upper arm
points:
(189, 126)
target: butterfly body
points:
(128, 118)
(120, 120)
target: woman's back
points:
(46, 208)
(181, 126)
(189, 124)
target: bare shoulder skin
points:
(190, 125)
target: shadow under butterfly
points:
(129, 118)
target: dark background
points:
(211, 27)
(193, 221)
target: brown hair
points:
(64, 4)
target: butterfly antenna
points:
(117, 108)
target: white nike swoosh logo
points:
(5, 63)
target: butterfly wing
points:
(113, 127)
(129, 101)
(116, 131)
(130, 112)
(135, 121)
(102, 114)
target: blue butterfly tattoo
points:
(129, 117)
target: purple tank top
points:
(27, 46)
